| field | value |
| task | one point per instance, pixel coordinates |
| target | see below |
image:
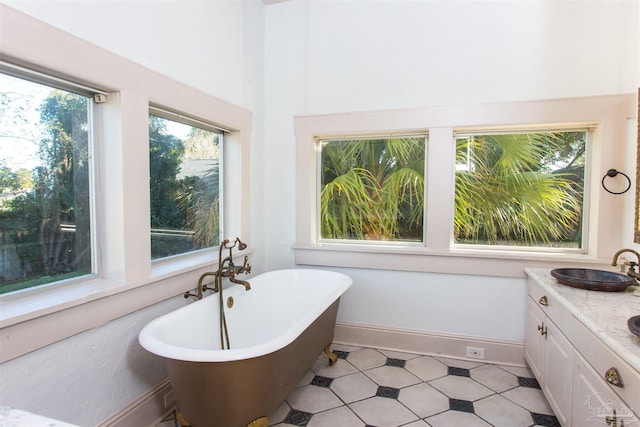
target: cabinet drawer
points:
(601, 358)
(551, 307)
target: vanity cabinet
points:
(550, 357)
(571, 361)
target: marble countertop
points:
(11, 417)
(605, 314)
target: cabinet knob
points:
(543, 301)
(613, 377)
(542, 329)
(613, 421)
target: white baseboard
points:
(148, 410)
(434, 344)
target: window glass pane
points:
(45, 227)
(185, 193)
(524, 189)
(372, 189)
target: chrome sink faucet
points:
(631, 271)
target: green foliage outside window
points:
(184, 191)
(372, 189)
(520, 189)
(45, 218)
(510, 189)
(45, 229)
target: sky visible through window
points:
(19, 115)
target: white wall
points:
(199, 43)
(89, 377)
(341, 56)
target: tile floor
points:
(379, 388)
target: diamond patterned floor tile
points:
(500, 411)
(426, 368)
(529, 398)
(461, 388)
(354, 387)
(494, 378)
(313, 399)
(423, 400)
(382, 388)
(342, 416)
(392, 377)
(366, 358)
(457, 419)
(399, 354)
(382, 412)
(341, 367)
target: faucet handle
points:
(246, 267)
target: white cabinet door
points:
(593, 401)
(533, 338)
(557, 372)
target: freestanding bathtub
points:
(276, 331)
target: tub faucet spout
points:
(247, 285)
(234, 270)
(631, 272)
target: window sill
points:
(35, 318)
(456, 261)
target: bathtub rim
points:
(149, 339)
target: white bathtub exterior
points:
(279, 307)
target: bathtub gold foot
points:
(260, 422)
(332, 356)
(182, 421)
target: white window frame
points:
(318, 165)
(128, 280)
(165, 113)
(588, 128)
(608, 115)
(93, 147)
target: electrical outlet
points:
(169, 399)
(475, 353)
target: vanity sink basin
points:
(634, 325)
(592, 280)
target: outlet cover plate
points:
(475, 353)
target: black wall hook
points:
(611, 173)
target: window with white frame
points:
(512, 189)
(46, 193)
(524, 189)
(185, 166)
(505, 184)
(372, 188)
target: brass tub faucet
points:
(226, 268)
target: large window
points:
(372, 188)
(45, 191)
(506, 185)
(185, 186)
(520, 189)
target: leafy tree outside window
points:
(45, 221)
(184, 191)
(372, 189)
(520, 189)
(511, 189)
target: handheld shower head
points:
(241, 245)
